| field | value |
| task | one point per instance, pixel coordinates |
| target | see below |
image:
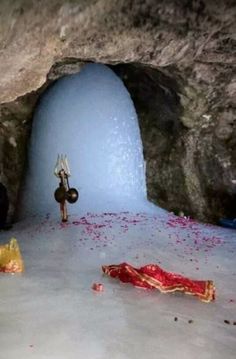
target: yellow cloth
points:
(10, 257)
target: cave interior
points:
(177, 61)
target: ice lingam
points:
(90, 117)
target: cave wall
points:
(183, 60)
(185, 151)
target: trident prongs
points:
(62, 164)
(66, 166)
(56, 171)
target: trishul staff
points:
(64, 193)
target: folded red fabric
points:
(151, 276)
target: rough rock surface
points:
(180, 53)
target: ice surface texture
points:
(90, 117)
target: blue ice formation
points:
(90, 117)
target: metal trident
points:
(62, 164)
(64, 193)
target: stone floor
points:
(51, 312)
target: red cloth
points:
(152, 276)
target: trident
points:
(64, 193)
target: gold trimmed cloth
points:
(152, 276)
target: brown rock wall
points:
(181, 58)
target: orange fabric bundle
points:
(152, 276)
(10, 257)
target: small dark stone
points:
(190, 321)
(226, 321)
(234, 323)
(175, 319)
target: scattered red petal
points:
(98, 287)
